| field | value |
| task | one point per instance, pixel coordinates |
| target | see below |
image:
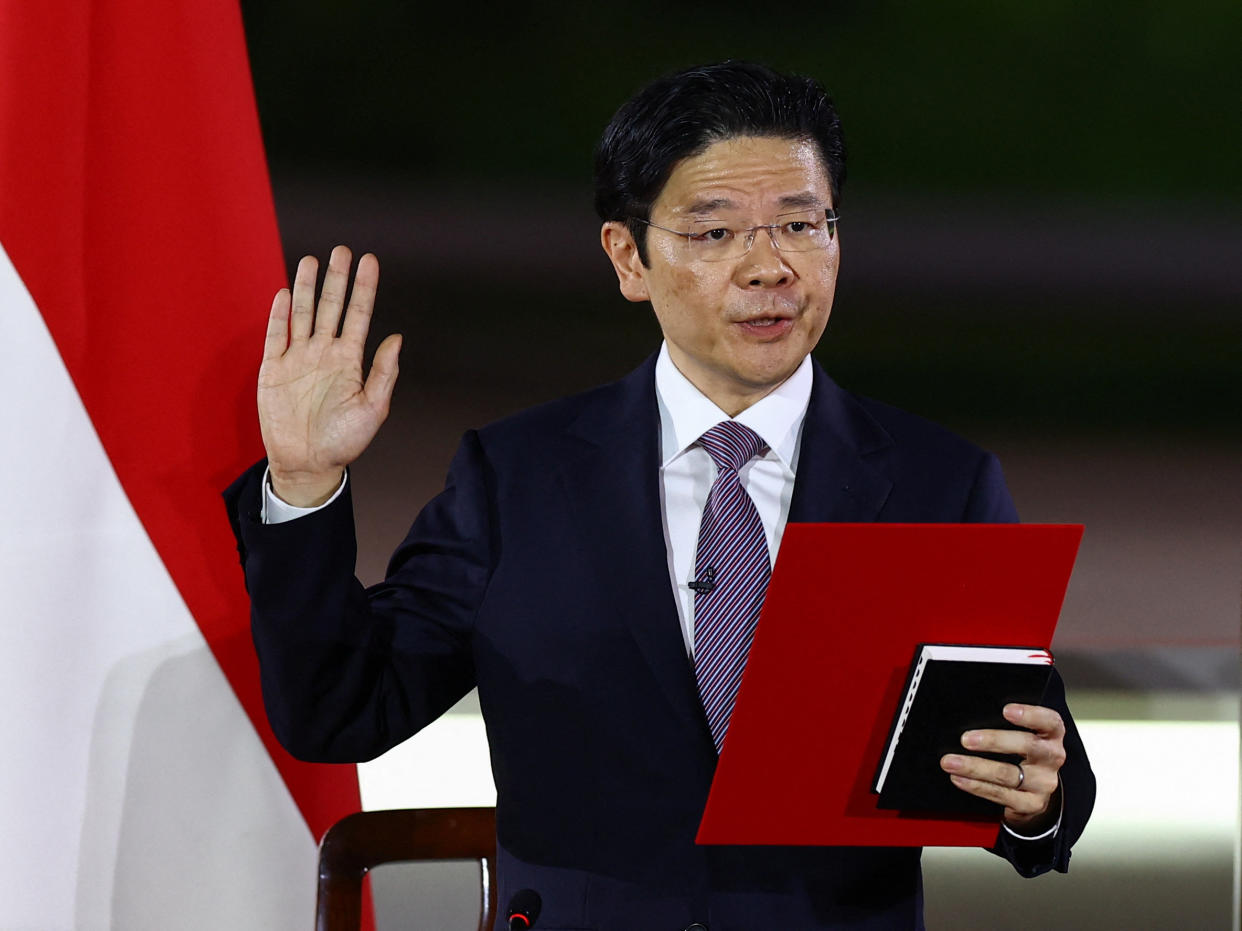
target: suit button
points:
(697, 926)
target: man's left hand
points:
(1026, 789)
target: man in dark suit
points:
(562, 568)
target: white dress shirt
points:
(687, 470)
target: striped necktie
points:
(731, 570)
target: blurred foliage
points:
(1105, 98)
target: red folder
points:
(846, 607)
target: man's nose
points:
(763, 265)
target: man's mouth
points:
(770, 327)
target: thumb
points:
(383, 376)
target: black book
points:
(952, 689)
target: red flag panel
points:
(137, 209)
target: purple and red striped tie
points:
(731, 570)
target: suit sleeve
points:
(1031, 858)
(990, 502)
(348, 672)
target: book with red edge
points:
(951, 689)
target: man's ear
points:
(619, 244)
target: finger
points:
(383, 376)
(1032, 777)
(303, 308)
(361, 301)
(1031, 746)
(1043, 721)
(997, 772)
(1000, 782)
(1013, 800)
(1026, 790)
(332, 297)
(277, 340)
(1020, 743)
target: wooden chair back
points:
(365, 839)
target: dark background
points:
(1040, 226)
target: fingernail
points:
(951, 763)
(971, 739)
(1016, 711)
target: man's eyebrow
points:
(709, 205)
(803, 199)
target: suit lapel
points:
(612, 478)
(611, 475)
(836, 480)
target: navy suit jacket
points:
(540, 575)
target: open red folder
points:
(846, 607)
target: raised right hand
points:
(316, 413)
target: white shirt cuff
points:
(1051, 832)
(275, 511)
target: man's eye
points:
(799, 227)
(720, 234)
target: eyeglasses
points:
(715, 241)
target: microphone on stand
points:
(523, 909)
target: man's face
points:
(736, 328)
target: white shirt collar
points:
(686, 413)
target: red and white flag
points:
(141, 787)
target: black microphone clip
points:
(704, 584)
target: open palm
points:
(316, 411)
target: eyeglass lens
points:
(718, 239)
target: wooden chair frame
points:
(366, 839)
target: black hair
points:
(679, 115)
